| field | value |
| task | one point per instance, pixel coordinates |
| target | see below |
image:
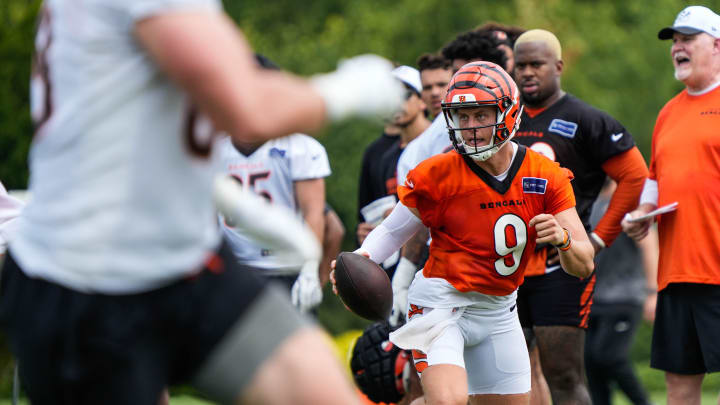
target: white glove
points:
(277, 227)
(307, 292)
(362, 85)
(404, 275)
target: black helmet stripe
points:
(497, 84)
(469, 84)
(494, 69)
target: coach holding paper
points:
(685, 167)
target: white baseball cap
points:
(693, 20)
(410, 76)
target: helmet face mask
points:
(475, 85)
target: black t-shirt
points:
(372, 182)
(580, 138)
(387, 168)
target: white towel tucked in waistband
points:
(420, 332)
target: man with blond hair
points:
(554, 306)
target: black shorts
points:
(687, 329)
(555, 299)
(209, 330)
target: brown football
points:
(363, 286)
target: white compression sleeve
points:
(388, 237)
(650, 192)
(271, 224)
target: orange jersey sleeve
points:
(629, 170)
(420, 192)
(480, 237)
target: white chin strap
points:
(483, 156)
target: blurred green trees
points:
(17, 22)
(612, 59)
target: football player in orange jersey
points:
(487, 203)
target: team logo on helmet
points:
(482, 84)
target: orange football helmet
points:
(480, 84)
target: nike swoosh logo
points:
(616, 137)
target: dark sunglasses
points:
(409, 93)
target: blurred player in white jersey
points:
(288, 172)
(116, 283)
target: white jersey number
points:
(507, 265)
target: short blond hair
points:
(538, 35)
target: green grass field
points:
(653, 380)
(657, 397)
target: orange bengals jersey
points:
(481, 240)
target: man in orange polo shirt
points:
(685, 168)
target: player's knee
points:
(563, 380)
(444, 391)
(290, 375)
(683, 386)
(448, 397)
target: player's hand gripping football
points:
(333, 264)
(548, 229)
(307, 292)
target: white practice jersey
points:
(434, 140)
(121, 177)
(10, 208)
(270, 171)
